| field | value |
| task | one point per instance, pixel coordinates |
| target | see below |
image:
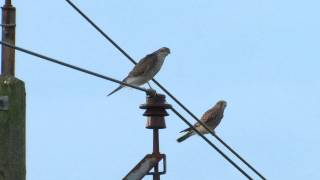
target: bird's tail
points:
(117, 89)
(185, 136)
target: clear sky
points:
(262, 57)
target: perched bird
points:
(145, 69)
(211, 118)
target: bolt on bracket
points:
(4, 103)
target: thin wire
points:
(165, 90)
(238, 156)
(119, 82)
(210, 143)
(101, 32)
(73, 67)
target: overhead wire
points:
(148, 91)
(165, 90)
(119, 82)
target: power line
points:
(148, 91)
(101, 32)
(165, 90)
(238, 156)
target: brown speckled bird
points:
(145, 69)
(211, 118)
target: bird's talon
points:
(151, 92)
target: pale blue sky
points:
(262, 57)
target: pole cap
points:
(155, 111)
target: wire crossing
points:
(165, 90)
(149, 92)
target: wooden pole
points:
(12, 129)
(8, 36)
(12, 106)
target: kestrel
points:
(145, 69)
(211, 118)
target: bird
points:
(211, 118)
(145, 69)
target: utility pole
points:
(8, 36)
(12, 105)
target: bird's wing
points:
(213, 117)
(205, 118)
(209, 115)
(144, 65)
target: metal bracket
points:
(4, 103)
(164, 171)
(144, 166)
(8, 25)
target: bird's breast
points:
(153, 71)
(158, 66)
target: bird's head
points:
(222, 104)
(163, 52)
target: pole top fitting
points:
(155, 111)
(8, 3)
(151, 92)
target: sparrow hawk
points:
(211, 118)
(145, 69)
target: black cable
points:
(101, 32)
(210, 143)
(148, 91)
(119, 82)
(238, 156)
(164, 89)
